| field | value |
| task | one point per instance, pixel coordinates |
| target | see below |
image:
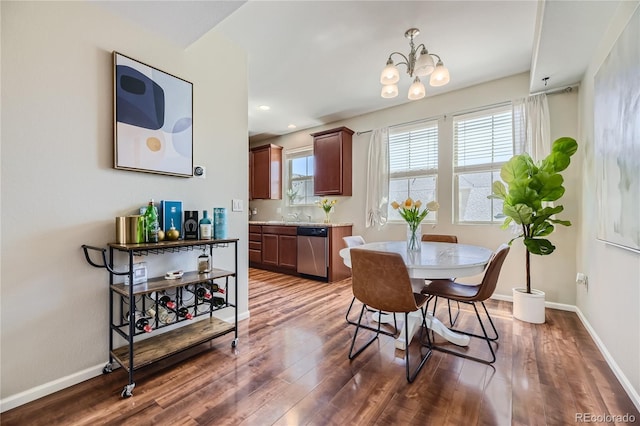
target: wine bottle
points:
(142, 323)
(206, 227)
(166, 302)
(202, 293)
(184, 313)
(218, 301)
(152, 224)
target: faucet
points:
(293, 217)
(309, 218)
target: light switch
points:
(236, 206)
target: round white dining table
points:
(432, 261)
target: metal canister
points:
(135, 229)
(121, 229)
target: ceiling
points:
(316, 62)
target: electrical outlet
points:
(581, 279)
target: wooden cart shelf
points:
(166, 344)
(159, 284)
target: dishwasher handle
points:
(315, 231)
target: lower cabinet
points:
(255, 244)
(280, 247)
(275, 248)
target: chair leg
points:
(352, 355)
(412, 375)
(393, 333)
(484, 337)
(452, 321)
(353, 299)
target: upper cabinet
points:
(332, 161)
(265, 172)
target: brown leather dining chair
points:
(473, 294)
(440, 238)
(381, 281)
(443, 238)
(355, 241)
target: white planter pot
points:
(528, 307)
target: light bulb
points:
(416, 90)
(390, 74)
(389, 91)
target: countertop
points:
(291, 223)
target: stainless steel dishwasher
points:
(313, 251)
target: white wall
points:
(59, 189)
(553, 274)
(610, 304)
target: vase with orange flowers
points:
(411, 213)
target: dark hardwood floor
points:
(291, 368)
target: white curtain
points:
(531, 126)
(378, 179)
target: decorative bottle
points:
(206, 227)
(152, 225)
(204, 262)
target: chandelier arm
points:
(437, 56)
(406, 60)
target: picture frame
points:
(153, 119)
(617, 140)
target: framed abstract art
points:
(153, 119)
(617, 140)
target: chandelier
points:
(418, 66)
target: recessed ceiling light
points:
(264, 107)
(291, 126)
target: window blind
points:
(415, 150)
(483, 140)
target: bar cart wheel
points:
(107, 369)
(234, 342)
(127, 392)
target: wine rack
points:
(164, 303)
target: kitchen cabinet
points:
(279, 246)
(255, 244)
(265, 172)
(332, 162)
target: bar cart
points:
(145, 308)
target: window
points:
(413, 165)
(483, 142)
(300, 177)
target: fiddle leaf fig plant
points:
(527, 189)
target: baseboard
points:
(45, 389)
(552, 305)
(622, 378)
